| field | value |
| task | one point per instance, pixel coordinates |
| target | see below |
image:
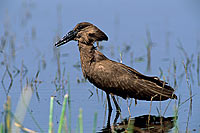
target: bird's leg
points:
(116, 104)
(109, 103)
(109, 109)
(116, 117)
(118, 110)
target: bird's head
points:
(85, 33)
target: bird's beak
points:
(68, 37)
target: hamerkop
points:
(112, 77)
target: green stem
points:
(62, 114)
(51, 115)
(95, 122)
(81, 121)
(1, 128)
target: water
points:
(34, 27)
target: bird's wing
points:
(124, 81)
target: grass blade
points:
(1, 128)
(22, 107)
(95, 122)
(51, 115)
(62, 114)
(81, 120)
(8, 115)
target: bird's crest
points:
(88, 33)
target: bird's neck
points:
(86, 56)
(86, 52)
(89, 55)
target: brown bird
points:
(110, 76)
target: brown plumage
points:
(110, 76)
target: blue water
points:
(35, 26)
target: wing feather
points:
(126, 82)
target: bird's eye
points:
(80, 27)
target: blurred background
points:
(157, 38)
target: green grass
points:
(62, 114)
(7, 108)
(19, 115)
(1, 128)
(80, 118)
(51, 115)
(94, 123)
